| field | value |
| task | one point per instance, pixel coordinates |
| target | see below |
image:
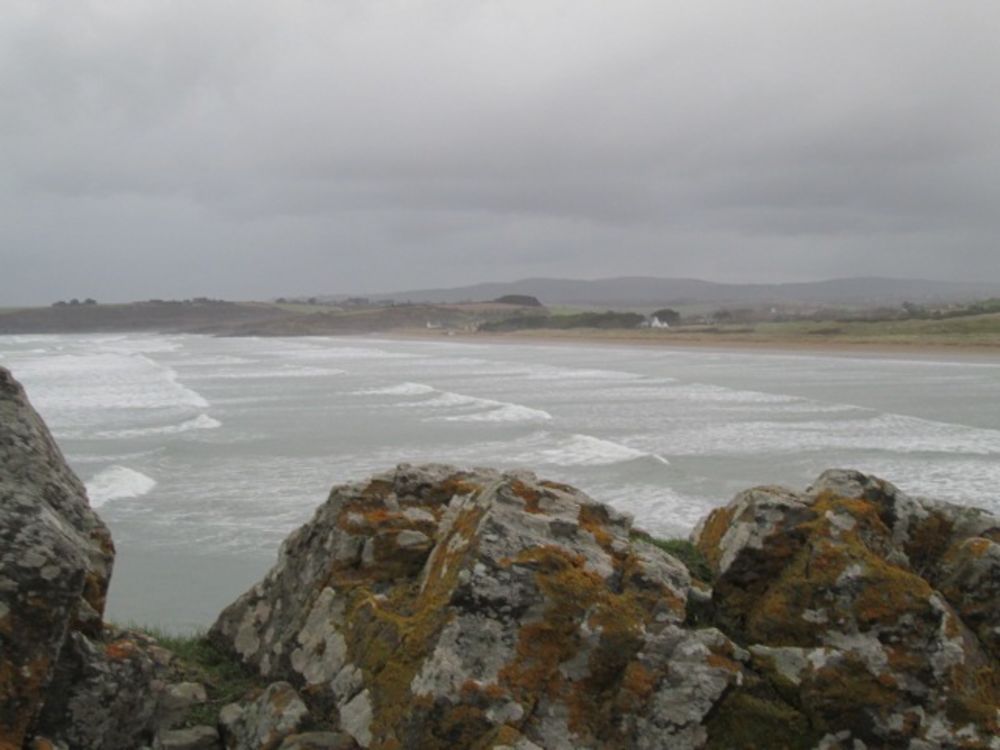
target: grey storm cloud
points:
(182, 147)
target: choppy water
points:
(203, 453)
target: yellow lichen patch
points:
(967, 549)
(647, 595)
(457, 485)
(581, 602)
(902, 659)
(929, 540)
(770, 610)
(846, 695)
(638, 683)
(389, 636)
(503, 736)
(811, 579)
(890, 593)
(95, 591)
(356, 518)
(594, 518)
(975, 698)
(710, 539)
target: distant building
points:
(655, 322)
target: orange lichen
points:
(377, 489)
(529, 495)
(20, 697)
(890, 593)
(390, 636)
(710, 539)
(615, 621)
(457, 485)
(594, 518)
(722, 662)
(974, 698)
(558, 486)
(120, 650)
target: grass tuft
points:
(684, 551)
(197, 659)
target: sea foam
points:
(201, 422)
(581, 450)
(403, 389)
(118, 483)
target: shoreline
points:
(874, 348)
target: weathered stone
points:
(969, 577)
(102, 694)
(192, 738)
(176, 702)
(836, 588)
(264, 723)
(55, 560)
(481, 607)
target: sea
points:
(203, 453)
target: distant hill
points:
(636, 291)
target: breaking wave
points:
(118, 483)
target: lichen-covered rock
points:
(436, 608)
(104, 693)
(176, 702)
(264, 723)
(836, 588)
(969, 577)
(55, 561)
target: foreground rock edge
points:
(435, 607)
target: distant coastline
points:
(977, 335)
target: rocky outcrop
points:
(66, 679)
(55, 562)
(431, 607)
(867, 612)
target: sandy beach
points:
(874, 346)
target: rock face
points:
(63, 675)
(55, 561)
(867, 611)
(435, 608)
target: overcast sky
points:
(248, 149)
